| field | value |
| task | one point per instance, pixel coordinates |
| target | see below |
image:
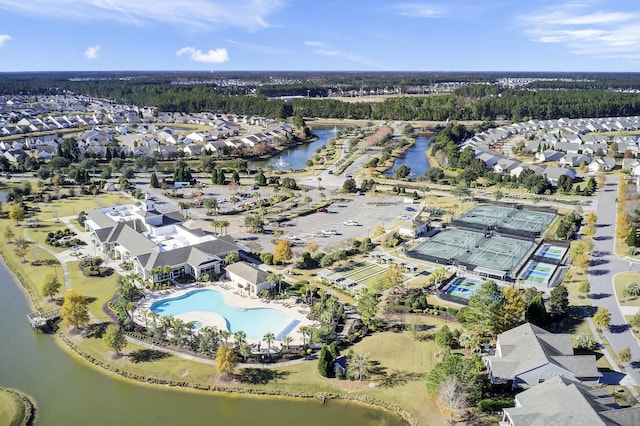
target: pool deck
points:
(234, 297)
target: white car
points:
(329, 232)
(351, 223)
(403, 217)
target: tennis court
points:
(507, 220)
(538, 273)
(473, 249)
(462, 287)
(551, 252)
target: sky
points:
(320, 35)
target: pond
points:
(414, 157)
(296, 157)
(70, 392)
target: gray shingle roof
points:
(249, 272)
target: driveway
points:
(604, 265)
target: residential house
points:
(528, 355)
(605, 164)
(553, 173)
(505, 165)
(249, 277)
(489, 159)
(574, 160)
(561, 401)
(548, 155)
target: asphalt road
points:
(604, 265)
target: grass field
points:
(620, 281)
(365, 273)
(12, 409)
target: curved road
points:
(604, 265)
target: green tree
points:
(484, 313)
(368, 307)
(226, 360)
(584, 287)
(635, 321)
(153, 182)
(359, 367)
(444, 337)
(232, 257)
(74, 310)
(584, 341)
(325, 361)
(50, 286)
(631, 289)
(559, 300)
(114, 338)
(349, 185)
(261, 178)
(402, 172)
(464, 369)
(8, 234)
(269, 338)
(602, 318)
(536, 312)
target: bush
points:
(495, 404)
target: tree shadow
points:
(600, 253)
(147, 355)
(634, 364)
(618, 328)
(46, 262)
(603, 225)
(398, 377)
(376, 369)
(260, 376)
(598, 272)
(599, 295)
(597, 262)
(603, 238)
(94, 330)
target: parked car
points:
(403, 217)
(330, 172)
(329, 232)
(409, 209)
(351, 223)
(322, 210)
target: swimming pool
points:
(255, 322)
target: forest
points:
(571, 96)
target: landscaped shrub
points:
(495, 404)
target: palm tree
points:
(275, 279)
(319, 180)
(165, 325)
(305, 330)
(145, 314)
(225, 335)
(154, 320)
(240, 338)
(224, 224)
(287, 340)
(245, 351)
(269, 338)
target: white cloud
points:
(4, 38)
(213, 56)
(92, 52)
(323, 49)
(419, 10)
(201, 14)
(584, 31)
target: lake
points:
(296, 157)
(414, 157)
(70, 392)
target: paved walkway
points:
(605, 264)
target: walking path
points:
(65, 270)
(606, 265)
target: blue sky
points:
(331, 35)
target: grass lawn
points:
(39, 234)
(12, 409)
(99, 290)
(620, 281)
(401, 365)
(365, 273)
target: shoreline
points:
(68, 346)
(28, 404)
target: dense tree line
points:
(473, 102)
